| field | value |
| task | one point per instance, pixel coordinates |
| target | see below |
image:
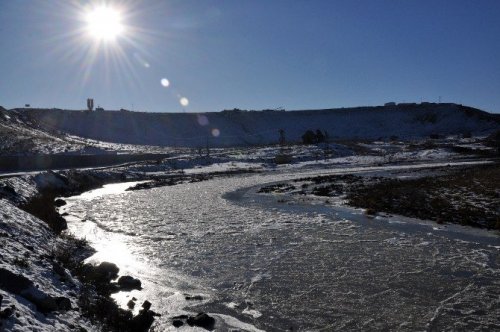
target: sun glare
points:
(104, 23)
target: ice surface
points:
(295, 265)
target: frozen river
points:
(261, 264)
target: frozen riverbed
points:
(259, 264)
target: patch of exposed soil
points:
(467, 196)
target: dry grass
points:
(468, 196)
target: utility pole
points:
(282, 138)
(327, 151)
(282, 157)
(208, 148)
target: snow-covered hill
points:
(22, 134)
(232, 128)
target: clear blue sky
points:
(252, 54)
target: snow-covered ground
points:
(30, 288)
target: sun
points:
(104, 23)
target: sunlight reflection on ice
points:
(110, 248)
(108, 189)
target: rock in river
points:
(129, 283)
(202, 320)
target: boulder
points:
(146, 305)
(202, 320)
(177, 323)
(129, 283)
(100, 276)
(63, 303)
(143, 321)
(59, 202)
(58, 224)
(13, 283)
(43, 303)
(107, 270)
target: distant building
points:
(390, 104)
(90, 104)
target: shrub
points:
(21, 262)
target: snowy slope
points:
(231, 128)
(18, 135)
(29, 285)
(22, 134)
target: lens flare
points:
(165, 82)
(215, 132)
(184, 101)
(141, 60)
(202, 120)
